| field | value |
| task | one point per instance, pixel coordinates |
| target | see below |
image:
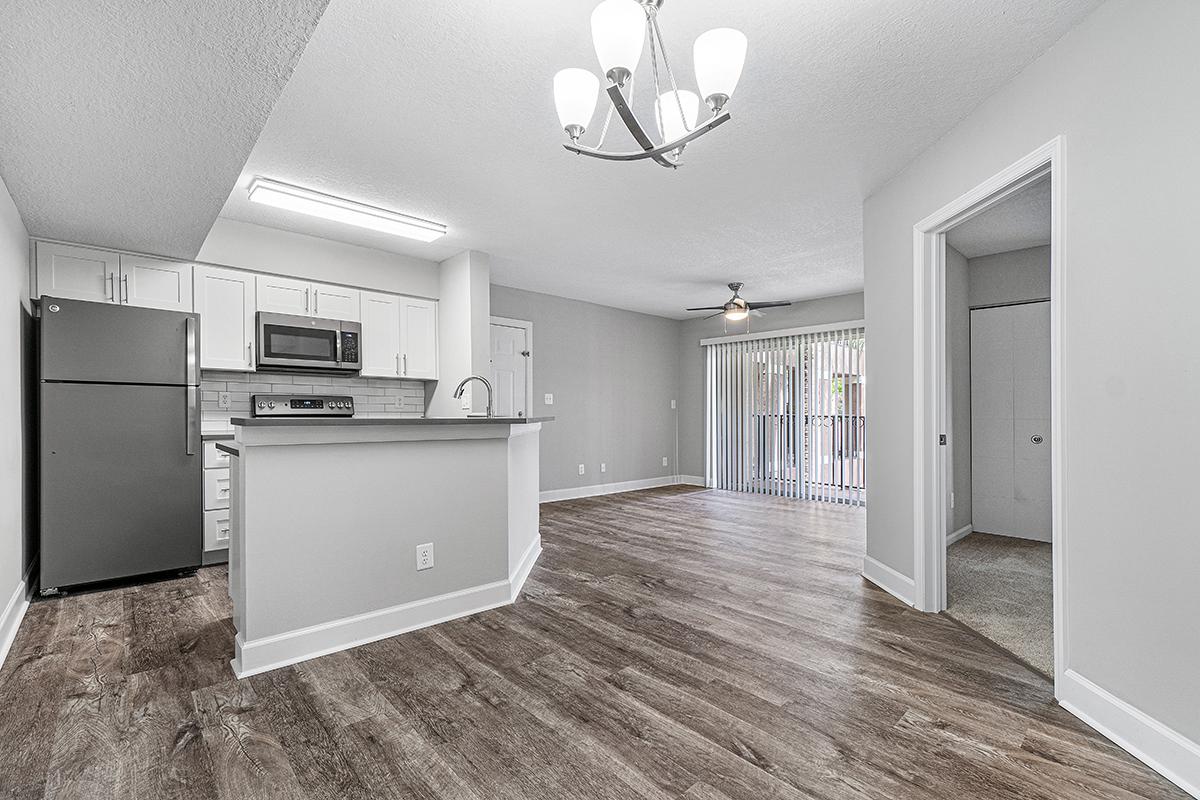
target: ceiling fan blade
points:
(706, 308)
(714, 316)
(771, 304)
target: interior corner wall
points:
(839, 308)
(958, 346)
(464, 344)
(17, 547)
(1112, 88)
(244, 245)
(613, 374)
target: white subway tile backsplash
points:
(380, 397)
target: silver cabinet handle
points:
(316, 301)
(397, 363)
(405, 364)
(111, 291)
(249, 354)
(124, 288)
(306, 301)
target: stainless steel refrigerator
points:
(120, 442)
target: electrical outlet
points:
(603, 467)
(672, 404)
(466, 399)
(224, 400)
(549, 400)
(581, 469)
(952, 499)
(399, 402)
(664, 461)
(425, 556)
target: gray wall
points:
(1011, 277)
(1111, 87)
(613, 374)
(840, 308)
(15, 325)
(255, 247)
(958, 345)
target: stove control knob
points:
(261, 404)
(271, 404)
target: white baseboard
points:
(899, 586)
(961, 533)
(596, 489)
(273, 652)
(1164, 750)
(10, 619)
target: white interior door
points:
(1010, 421)
(510, 369)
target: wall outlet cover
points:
(603, 467)
(672, 404)
(425, 556)
(224, 400)
(581, 469)
(549, 400)
(664, 461)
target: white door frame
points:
(528, 326)
(931, 401)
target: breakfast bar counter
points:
(348, 530)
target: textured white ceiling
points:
(124, 123)
(445, 110)
(1017, 222)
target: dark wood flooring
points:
(669, 644)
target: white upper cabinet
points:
(154, 283)
(418, 338)
(85, 273)
(306, 298)
(284, 295)
(335, 302)
(380, 335)
(225, 301)
(77, 273)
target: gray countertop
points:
(276, 422)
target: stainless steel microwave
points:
(289, 341)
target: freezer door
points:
(120, 494)
(101, 342)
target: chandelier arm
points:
(657, 153)
(656, 31)
(635, 128)
(654, 60)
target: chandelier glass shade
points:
(621, 31)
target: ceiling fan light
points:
(719, 56)
(619, 35)
(575, 93)
(666, 112)
(736, 314)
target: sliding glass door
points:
(786, 415)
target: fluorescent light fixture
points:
(338, 209)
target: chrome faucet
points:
(459, 391)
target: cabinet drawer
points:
(216, 489)
(214, 457)
(216, 529)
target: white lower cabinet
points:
(216, 489)
(216, 529)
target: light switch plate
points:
(672, 404)
(582, 469)
(548, 399)
(664, 461)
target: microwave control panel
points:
(349, 347)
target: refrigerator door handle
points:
(192, 393)
(189, 354)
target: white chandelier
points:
(620, 30)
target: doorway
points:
(512, 366)
(999, 521)
(940, 496)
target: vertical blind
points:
(787, 415)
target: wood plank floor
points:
(671, 643)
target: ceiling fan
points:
(737, 309)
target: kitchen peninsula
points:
(349, 530)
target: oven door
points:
(286, 341)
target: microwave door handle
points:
(338, 338)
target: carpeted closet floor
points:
(1001, 587)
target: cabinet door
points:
(418, 339)
(154, 283)
(380, 335)
(77, 273)
(225, 302)
(284, 295)
(335, 302)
